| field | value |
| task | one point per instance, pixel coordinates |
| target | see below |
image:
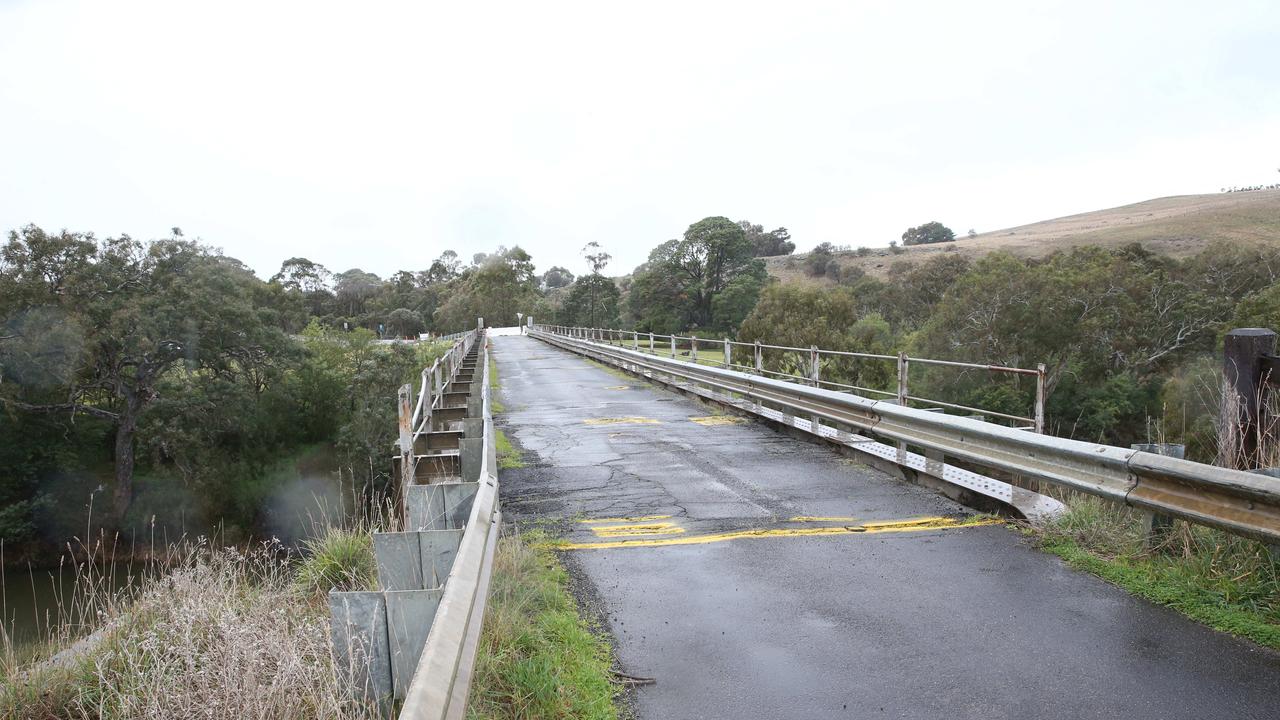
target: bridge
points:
(763, 548)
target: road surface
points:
(754, 575)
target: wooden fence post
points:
(1245, 374)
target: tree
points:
(140, 311)
(354, 288)
(768, 244)
(819, 260)
(928, 233)
(404, 322)
(556, 277)
(592, 302)
(679, 284)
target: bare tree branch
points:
(64, 407)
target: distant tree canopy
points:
(767, 244)
(678, 287)
(556, 277)
(928, 233)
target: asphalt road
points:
(754, 575)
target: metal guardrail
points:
(416, 638)
(753, 359)
(1239, 502)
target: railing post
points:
(693, 349)
(1244, 387)
(1040, 398)
(902, 379)
(427, 388)
(479, 323)
(635, 340)
(673, 346)
(1156, 527)
(815, 365)
(651, 351)
(728, 354)
(406, 443)
(759, 358)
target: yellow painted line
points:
(814, 518)
(638, 530)
(714, 420)
(618, 387)
(642, 518)
(621, 421)
(920, 525)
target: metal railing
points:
(806, 365)
(442, 680)
(415, 639)
(1239, 502)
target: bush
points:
(338, 560)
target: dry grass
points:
(225, 633)
(1178, 226)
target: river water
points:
(309, 492)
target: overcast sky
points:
(376, 135)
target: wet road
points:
(757, 576)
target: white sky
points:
(376, 135)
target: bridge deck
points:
(755, 575)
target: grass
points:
(339, 559)
(538, 658)
(495, 405)
(1226, 582)
(508, 456)
(221, 632)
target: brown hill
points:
(1178, 226)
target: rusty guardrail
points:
(1239, 502)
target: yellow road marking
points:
(919, 525)
(618, 387)
(642, 518)
(621, 421)
(813, 518)
(639, 530)
(714, 420)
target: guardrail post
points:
(1244, 386)
(693, 349)
(1156, 527)
(479, 323)
(635, 340)
(406, 441)
(673, 347)
(902, 379)
(728, 356)
(1040, 398)
(759, 358)
(651, 351)
(815, 365)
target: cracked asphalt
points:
(770, 586)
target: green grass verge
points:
(508, 456)
(1226, 582)
(495, 405)
(538, 657)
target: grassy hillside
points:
(1179, 226)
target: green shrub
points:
(339, 559)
